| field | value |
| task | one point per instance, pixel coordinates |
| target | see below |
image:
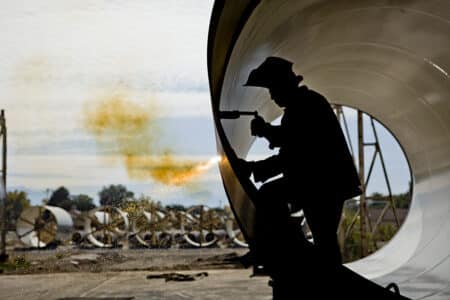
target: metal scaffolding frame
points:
(363, 213)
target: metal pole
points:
(362, 199)
(3, 255)
(386, 178)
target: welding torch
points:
(235, 114)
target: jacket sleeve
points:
(274, 135)
(267, 168)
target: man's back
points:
(314, 152)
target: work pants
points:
(273, 225)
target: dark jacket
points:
(313, 154)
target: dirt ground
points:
(173, 274)
(67, 259)
(235, 284)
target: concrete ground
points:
(233, 284)
(72, 259)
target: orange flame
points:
(166, 169)
(131, 131)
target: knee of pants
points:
(271, 206)
(266, 192)
(327, 245)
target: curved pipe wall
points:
(388, 58)
(61, 225)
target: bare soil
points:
(67, 259)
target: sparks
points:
(210, 163)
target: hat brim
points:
(270, 83)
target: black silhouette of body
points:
(318, 174)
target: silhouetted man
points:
(318, 173)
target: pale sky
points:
(58, 57)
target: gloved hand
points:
(258, 126)
(244, 167)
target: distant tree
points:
(83, 202)
(144, 202)
(134, 207)
(16, 202)
(378, 196)
(219, 210)
(402, 200)
(114, 195)
(61, 198)
(176, 207)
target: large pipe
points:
(105, 225)
(38, 226)
(387, 58)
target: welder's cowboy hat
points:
(274, 71)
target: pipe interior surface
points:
(390, 59)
